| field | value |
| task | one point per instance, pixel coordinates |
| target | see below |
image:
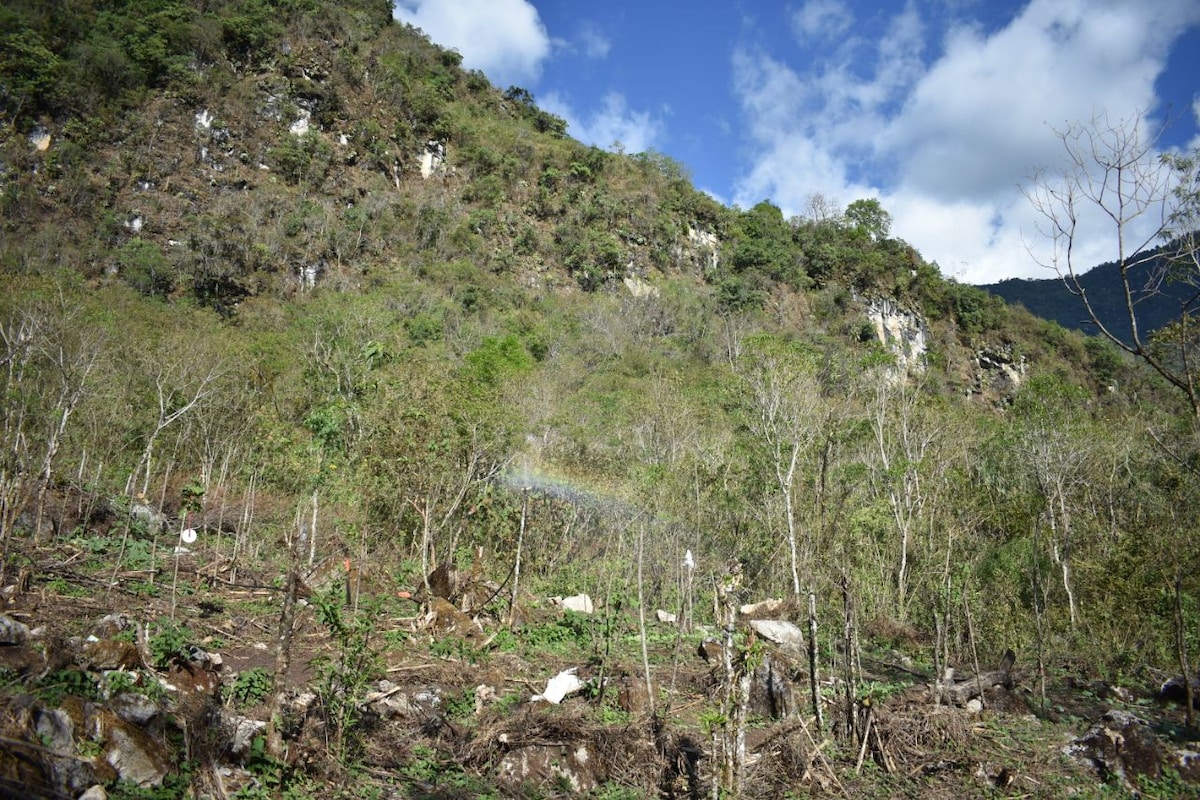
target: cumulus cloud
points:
(946, 141)
(505, 39)
(614, 121)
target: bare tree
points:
(49, 355)
(181, 383)
(1115, 174)
(786, 416)
(904, 440)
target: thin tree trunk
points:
(849, 678)
(1181, 652)
(642, 618)
(312, 537)
(814, 684)
(283, 643)
(512, 603)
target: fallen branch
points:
(961, 692)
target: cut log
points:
(959, 692)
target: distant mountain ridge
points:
(1157, 304)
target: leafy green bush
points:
(169, 643)
(67, 683)
(141, 264)
(569, 632)
(251, 687)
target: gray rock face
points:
(903, 333)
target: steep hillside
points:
(297, 309)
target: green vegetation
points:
(251, 687)
(258, 331)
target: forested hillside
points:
(281, 275)
(1158, 302)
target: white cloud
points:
(821, 18)
(593, 43)
(613, 122)
(946, 144)
(504, 38)
(1195, 142)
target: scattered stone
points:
(1188, 765)
(40, 139)
(443, 618)
(133, 707)
(56, 729)
(710, 650)
(484, 694)
(13, 632)
(205, 660)
(632, 696)
(189, 678)
(580, 603)
(146, 514)
(134, 754)
(772, 693)
(112, 654)
(96, 792)
(765, 610)
(432, 158)
(665, 617)
(109, 626)
(240, 731)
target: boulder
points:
(1175, 691)
(772, 689)
(136, 756)
(1122, 747)
(783, 633)
(567, 764)
(12, 632)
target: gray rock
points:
(56, 729)
(13, 632)
(1122, 747)
(781, 632)
(240, 731)
(135, 755)
(132, 707)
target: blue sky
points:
(941, 109)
